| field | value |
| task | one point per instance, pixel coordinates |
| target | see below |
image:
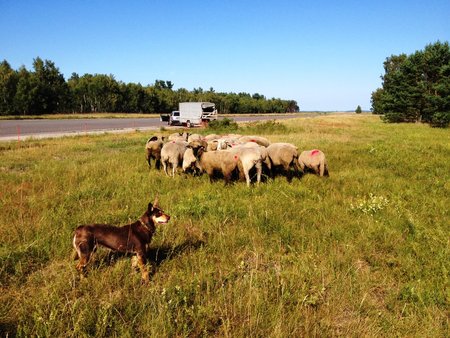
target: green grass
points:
(362, 253)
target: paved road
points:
(20, 129)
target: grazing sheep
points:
(261, 149)
(236, 136)
(178, 136)
(212, 145)
(284, 155)
(189, 161)
(314, 160)
(222, 162)
(153, 150)
(249, 158)
(211, 137)
(193, 137)
(196, 144)
(262, 141)
(172, 153)
(190, 156)
(227, 142)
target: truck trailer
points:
(193, 113)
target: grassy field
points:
(362, 253)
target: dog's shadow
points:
(155, 255)
(159, 255)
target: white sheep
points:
(178, 136)
(172, 153)
(212, 162)
(250, 155)
(211, 137)
(284, 156)
(262, 141)
(190, 155)
(314, 160)
(194, 137)
(189, 161)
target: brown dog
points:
(131, 238)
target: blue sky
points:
(326, 55)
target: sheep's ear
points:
(163, 138)
(153, 138)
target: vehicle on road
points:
(193, 113)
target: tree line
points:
(43, 90)
(416, 87)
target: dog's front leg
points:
(141, 261)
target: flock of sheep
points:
(231, 156)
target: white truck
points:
(193, 113)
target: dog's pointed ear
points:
(150, 207)
(156, 201)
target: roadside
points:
(21, 130)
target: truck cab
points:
(174, 118)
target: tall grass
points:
(362, 253)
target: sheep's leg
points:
(247, 176)
(258, 172)
(302, 166)
(295, 165)
(165, 167)
(288, 171)
(174, 168)
(227, 177)
(316, 169)
(322, 169)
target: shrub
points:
(266, 127)
(440, 119)
(225, 124)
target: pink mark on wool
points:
(173, 141)
(252, 141)
(236, 157)
(314, 152)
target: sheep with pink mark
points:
(313, 160)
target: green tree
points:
(8, 87)
(416, 87)
(358, 110)
(24, 97)
(49, 87)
